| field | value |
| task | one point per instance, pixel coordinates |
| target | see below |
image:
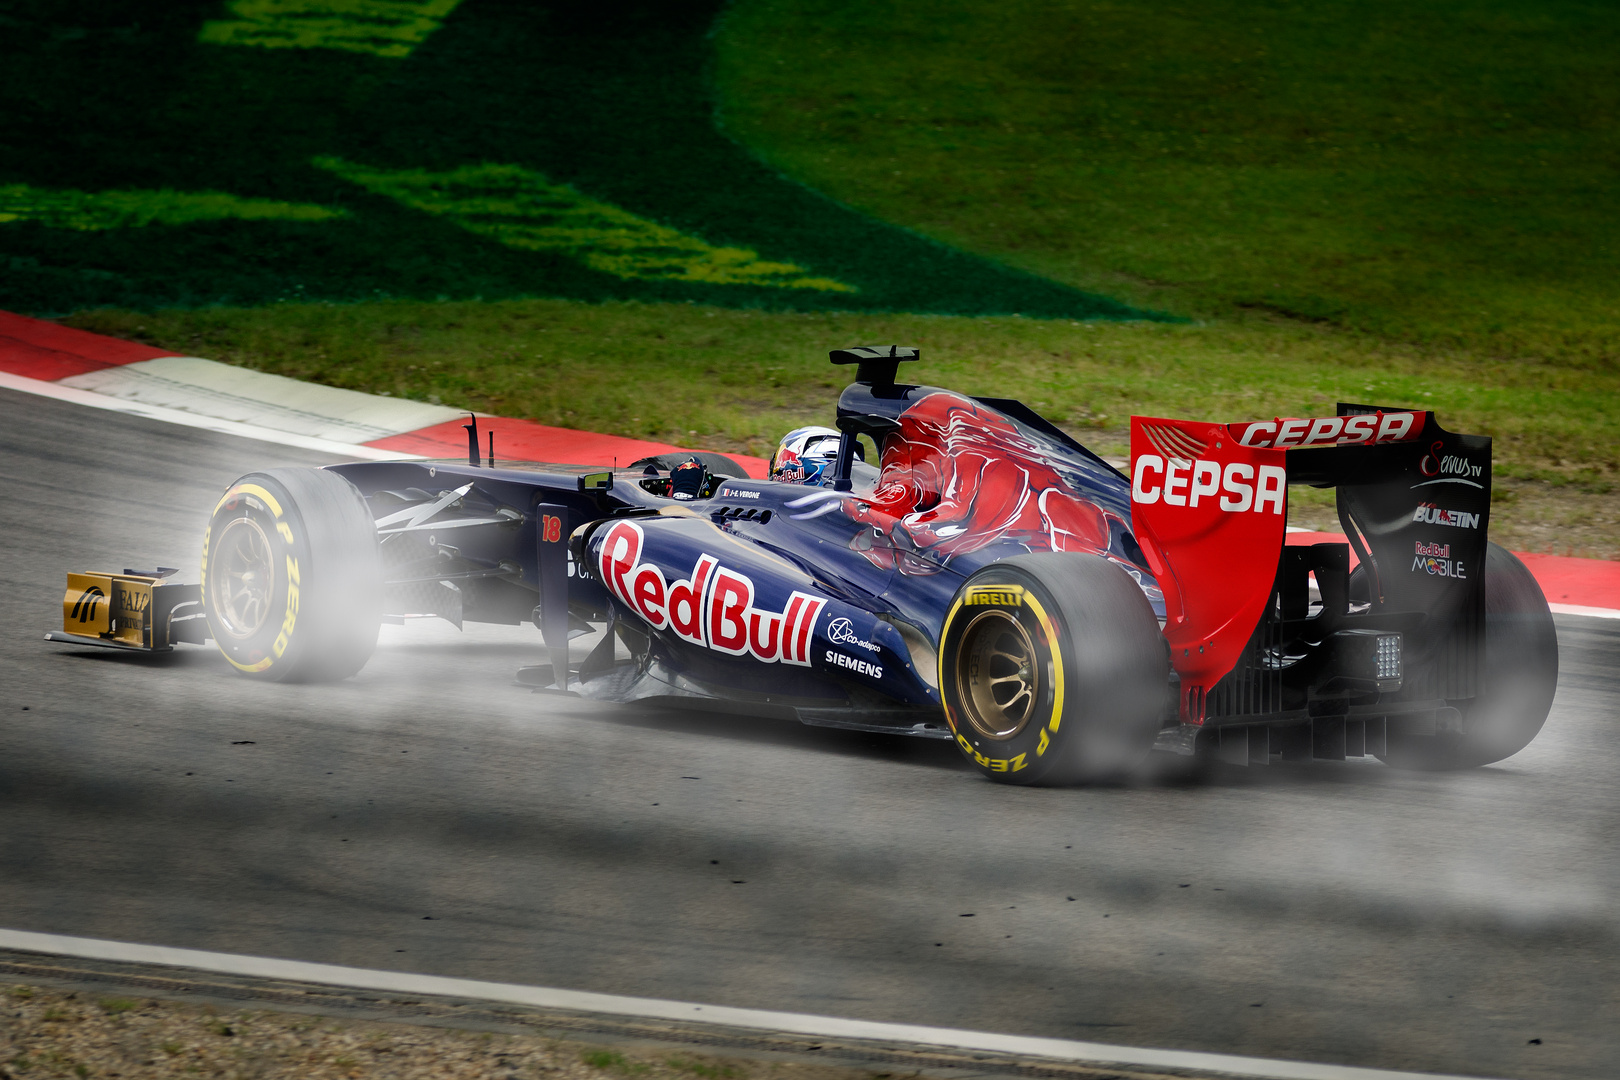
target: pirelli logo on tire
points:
(1001, 765)
(998, 663)
(252, 512)
(993, 596)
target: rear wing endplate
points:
(1209, 508)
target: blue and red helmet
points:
(806, 456)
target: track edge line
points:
(720, 1015)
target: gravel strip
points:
(55, 1033)
(50, 1032)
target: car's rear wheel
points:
(1053, 670)
(291, 578)
(1518, 677)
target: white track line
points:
(94, 400)
(656, 1008)
(1590, 612)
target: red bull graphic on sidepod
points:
(712, 607)
(707, 596)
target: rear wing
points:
(1210, 510)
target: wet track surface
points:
(429, 816)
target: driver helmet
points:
(806, 456)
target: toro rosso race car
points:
(989, 580)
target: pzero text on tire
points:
(1518, 677)
(291, 577)
(1052, 669)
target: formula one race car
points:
(991, 581)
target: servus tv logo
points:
(713, 607)
(1449, 469)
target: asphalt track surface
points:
(429, 816)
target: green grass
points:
(612, 1059)
(738, 379)
(699, 1068)
(1436, 172)
(547, 148)
(1410, 204)
(735, 380)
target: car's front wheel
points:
(291, 578)
(1053, 670)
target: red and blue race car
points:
(988, 580)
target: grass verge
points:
(736, 380)
(1437, 171)
(66, 1035)
(548, 148)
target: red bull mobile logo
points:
(1436, 561)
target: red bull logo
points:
(712, 607)
(787, 467)
(1436, 561)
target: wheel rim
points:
(998, 677)
(242, 577)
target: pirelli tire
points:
(1518, 677)
(291, 576)
(1053, 670)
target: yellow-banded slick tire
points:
(291, 576)
(1052, 670)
